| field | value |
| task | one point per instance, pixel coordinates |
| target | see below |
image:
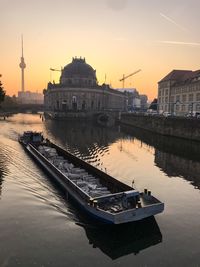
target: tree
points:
(154, 104)
(2, 93)
(9, 103)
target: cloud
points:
(117, 4)
(173, 22)
(179, 43)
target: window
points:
(83, 105)
(92, 104)
(57, 104)
(74, 103)
(172, 91)
(198, 96)
(190, 97)
(198, 107)
(184, 98)
(99, 105)
(73, 99)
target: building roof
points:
(78, 67)
(181, 75)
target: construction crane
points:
(125, 77)
(51, 69)
(55, 69)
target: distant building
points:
(135, 101)
(30, 98)
(179, 92)
(144, 102)
(78, 90)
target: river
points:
(40, 227)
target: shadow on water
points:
(120, 240)
(116, 240)
(174, 156)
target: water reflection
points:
(3, 169)
(121, 240)
(174, 156)
(83, 139)
(175, 166)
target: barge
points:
(100, 195)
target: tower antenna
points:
(22, 46)
(22, 66)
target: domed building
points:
(78, 73)
(78, 90)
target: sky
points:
(115, 36)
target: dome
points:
(78, 72)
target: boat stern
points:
(138, 213)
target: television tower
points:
(22, 66)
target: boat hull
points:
(82, 199)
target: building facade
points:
(179, 92)
(144, 102)
(78, 90)
(28, 97)
(135, 101)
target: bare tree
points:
(2, 92)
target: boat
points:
(99, 194)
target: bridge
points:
(34, 108)
(4, 115)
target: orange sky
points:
(115, 36)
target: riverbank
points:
(170, 126)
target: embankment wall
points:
(171, 126)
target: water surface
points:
(40, 227)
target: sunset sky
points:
(115, 36)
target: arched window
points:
(57, 105)
(74, 103)
(83, 105)
(92, 105)
(64, 105)
(99, 105)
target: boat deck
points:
(101, 196)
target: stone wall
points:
(173, 126)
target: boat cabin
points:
(32, 137)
